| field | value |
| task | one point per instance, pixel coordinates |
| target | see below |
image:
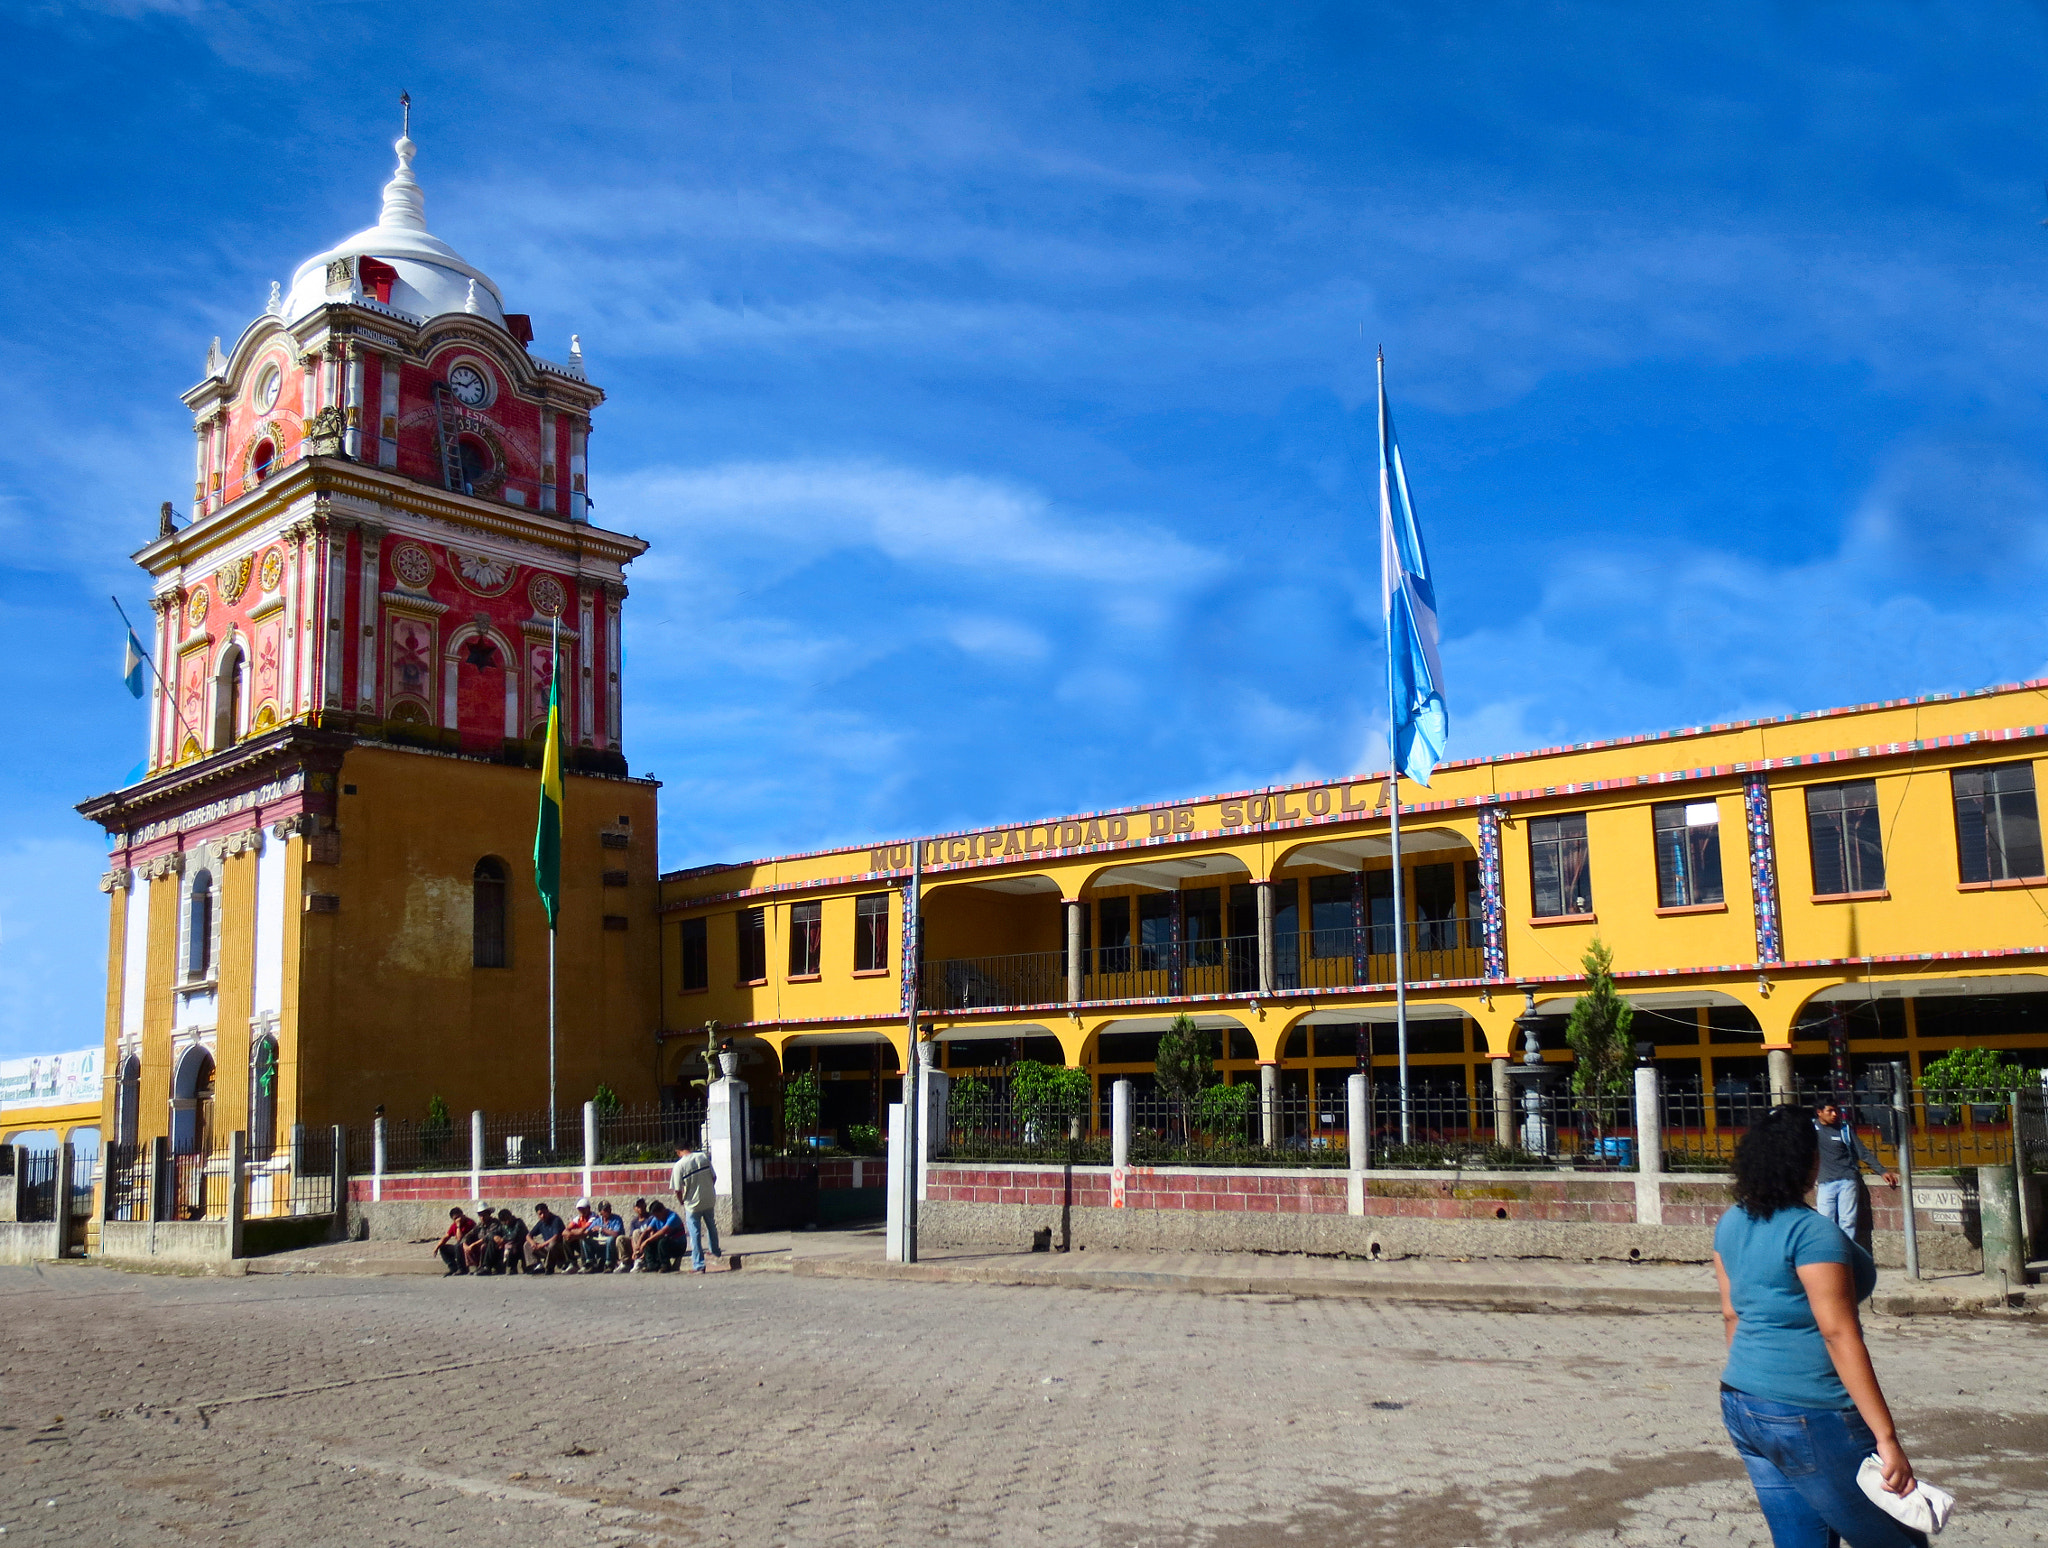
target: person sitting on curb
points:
(512, 1234)
(480, 1242)
(615, 1248)
(1842, 1159)
(579, 1238)
(450, 1246)
(696, 1193)
(636, 1229)
(544, 1251)
(650, 1242)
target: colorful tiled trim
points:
(1763, 869)
(1492, 909)
(1358, 935)
(907, 973)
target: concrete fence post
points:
(476, 1155)
(1998, 1206)
(238, 1189)
(60, 1203)
(1269, 1105)
(895, 1213)
(931, 1129)
(338, 1161)
(725, 1137)
(1649, 1147)
(1358, 1114)
(1120, 1124)
(163, 1178)
(1778, 1065)
(377, 1159)
(589, 1147)
(1503, 1102)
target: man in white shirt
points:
(695, 1188)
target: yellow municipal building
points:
(321, 899)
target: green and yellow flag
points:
(547, 833)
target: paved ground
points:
(765, 1408)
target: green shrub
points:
(863, 1139)
(1965, 1072)
(1226, 1110)
(1048, 1093)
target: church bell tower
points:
(322, 888)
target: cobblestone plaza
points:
(762, 1408)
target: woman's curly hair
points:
(1774, 1162)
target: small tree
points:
(1967, 1072)
(605, 1100)
(438, 1130)
(1598, 1033)
(1048, 1094)
(799, 1106)
(1226, 1111)
(1184, 1067)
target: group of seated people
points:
(655, 1239)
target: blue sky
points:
(995, 381)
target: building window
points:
(696, 954)
(199, 926)
(1848, 847)
(1155, 931)
(487, 916)
(1561, 877)
(806, 930)
(227, 698)
(1115, 935)
(1688, 835)
(753, 945)
(1998, 830)
(871, 933)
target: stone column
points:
(1998, 1206)
(1077, 920)
(726, 1138)
(1269, 1105)
(377, 1159)
(476, 1156)
(589, 1146)
(1264, 893)
(1779, 1063)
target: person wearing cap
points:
(696, 1186)
(450, 1245)
(579, 1238)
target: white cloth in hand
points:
(1922, 1507)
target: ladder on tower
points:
(451, 457)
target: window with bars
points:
(752, 926)
(488, 883)
(1560, 869)
(1848, 841)
(1688, 837)
(806, 931)
(1998, 829)
(696, 947)
(871, 933)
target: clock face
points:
(266, 389)
(468, 385)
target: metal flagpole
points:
(157, 673)
(913, 1075)
(555, 687)
(1394, 780)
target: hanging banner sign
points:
(53, 1080)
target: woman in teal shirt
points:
(1799, 1395)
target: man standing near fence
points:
(1842, 1159)
(694, 1184)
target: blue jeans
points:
(1802, 1463)
(699, 1226)
(1837, 1201)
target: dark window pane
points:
(487, 945)
(871, 933)
(1115, 920)
(752, 929)
(805, 929)
(1203, 908)
(696, 964)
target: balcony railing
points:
(1310, 959)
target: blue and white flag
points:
(131, 668)
(1415, 674)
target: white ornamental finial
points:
(576, 353)
(404, 205)
(470, 305)
(215, 365)
(276, 307)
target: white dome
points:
(433, 277)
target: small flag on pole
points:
(1415, 686)
(131, 667)
(547, 836)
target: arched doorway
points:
(192, 1104)
(128, 1101)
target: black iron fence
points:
(37, 1180)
